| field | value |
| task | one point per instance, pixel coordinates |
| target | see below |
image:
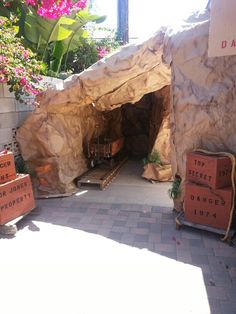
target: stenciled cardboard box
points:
(222, 36)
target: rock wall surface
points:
(160, 137)
(54, 145)
(202, 110)
(203, 104)
(53, 139)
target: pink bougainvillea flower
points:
(3, 79)
(28, 88)
(19, 71)
(79, 5)
(102, 52)
(3, 59)
(52, 9)
(18, 65)
(4, 71)
(26, 54)
(32, 2)
(7, 4)
(23, 80)
(35, 91)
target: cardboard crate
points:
(205, 206)
(7, 167)
(16, 198)
(213, 171)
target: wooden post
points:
(123, 21)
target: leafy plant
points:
(63, 35)
(82, 58)
(104, 38)
(108, 43)
(153, 158)
(175, 191)
(52, 28)
(90, 51)
(19, 68)
(20, 164)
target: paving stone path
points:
(151, 228)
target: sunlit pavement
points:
(87, 258)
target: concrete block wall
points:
(13, 114)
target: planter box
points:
(16, 198)
(213, 171)
(205, 206)
(7, 167)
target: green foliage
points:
(153, 158)
(10, 9)
(109, 38)
(83, 57)
(51, 39)
(21, 166)
(90, 51)
(60, 36)
(19, 68)
(65, 44)
(175, 191)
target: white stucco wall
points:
(13, 114)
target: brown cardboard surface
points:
(206, 206)
(213, 171)
(202, 110)
(57, 133)
(7, 167)
(222, 38)
(16, 198)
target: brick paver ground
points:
(145, 227)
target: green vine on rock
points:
(20, 164)
(153, 158)
(175, 191)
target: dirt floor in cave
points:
(129, 188)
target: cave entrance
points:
(145, 128)
(139, 127)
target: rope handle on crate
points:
(232, 158)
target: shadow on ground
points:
(172, 265)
